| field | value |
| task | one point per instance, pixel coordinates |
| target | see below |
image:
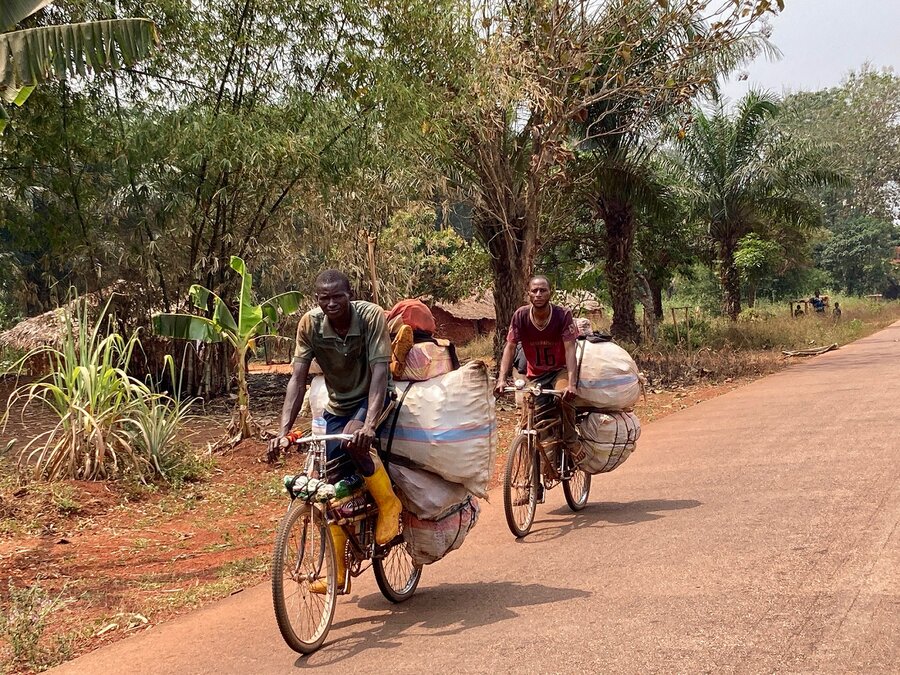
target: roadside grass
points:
(721, 349)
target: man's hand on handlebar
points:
(363, 435)
(570, 392)
(499, 386)
(274, 446)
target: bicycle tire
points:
(577, 502)
(519, 463)
(319, 608)
(396, 575)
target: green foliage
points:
(222, 325)
(100, 410)
(857, 254)
(416, 259)
(33, 55)
(746, 176)
(858, 123)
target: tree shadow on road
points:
(602, 514)
(435, 611)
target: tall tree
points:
(540, 66)
(745, 176)
(859, 123)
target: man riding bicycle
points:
(547, 334)
(350, 342)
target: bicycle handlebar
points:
(536, 390)
(286, 441)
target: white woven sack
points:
(430, 540)
(446, 425)
(424, 494)
(608, 377)
(606, 440)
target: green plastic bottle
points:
(347, 486)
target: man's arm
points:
(365, 435)
(293, 399)
(571, 368)
(506, 361)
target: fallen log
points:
(812, 351)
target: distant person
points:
(798, 311)
(818, 303)
(546, 334)
(836, 312)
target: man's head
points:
(333, 294)
(539, 290)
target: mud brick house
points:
(465, 320)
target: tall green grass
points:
(108, 424)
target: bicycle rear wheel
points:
(520, 487)
(576, 489)
(396, 574)
(304, 554)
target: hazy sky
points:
(821, 40)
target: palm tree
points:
(34, 55)
(626, 184)
(742, 175)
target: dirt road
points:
(755, 532)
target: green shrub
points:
(109, 424)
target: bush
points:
(110, 424)
(23, 619)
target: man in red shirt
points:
(547, 334)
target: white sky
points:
(821, 41)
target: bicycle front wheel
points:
(396, 574)
(304, 558)
(520, 487)
(576, 489)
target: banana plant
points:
(34, 55)
(240, 332)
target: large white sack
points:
(430, 540)
(606, 440)
(607, 377)
(446, 425)
(424, 494)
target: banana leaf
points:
(280, 305)
(249, 314)
(221, 314)
(13, 11)
(187, 327)
(34, 55)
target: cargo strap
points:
(385, 453)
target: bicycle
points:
(304, 550)
(538, 458)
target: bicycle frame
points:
(359, 528)
(543, 435)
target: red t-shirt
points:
(544, 349)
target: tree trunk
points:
(242, 425)
(511, 266)
(656, 293)
(646, 299)
(620, 227)
(751, 294)
(730, 280)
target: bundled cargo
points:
(424, 494)
(426, 360)
(607, 377)
(445, 425)
(606, 440)
(430, 540)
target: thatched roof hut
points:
(49, 328)
(38, 331)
